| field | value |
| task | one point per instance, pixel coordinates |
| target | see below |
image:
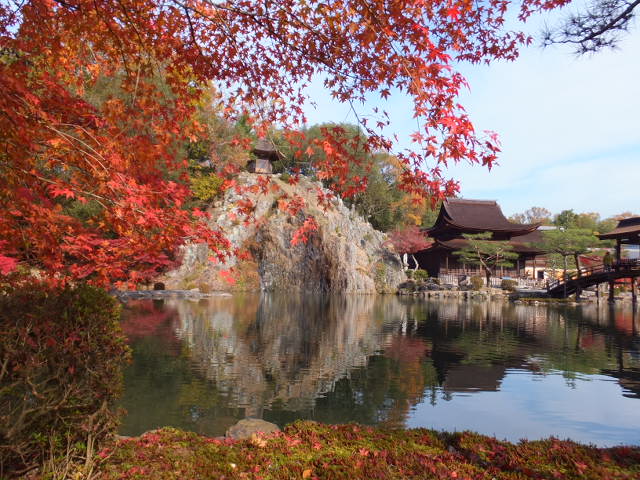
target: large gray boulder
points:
(345, 255)
(250, 426)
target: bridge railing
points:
(624, 264)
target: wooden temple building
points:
(627, 232)
(462, 216)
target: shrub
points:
(409, 274)
(509, 285)
(420, 275)
(208, 187)
(285, 177)
(62, 352)
(477, 283)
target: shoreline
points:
(307, 449)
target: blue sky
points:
(569, 128)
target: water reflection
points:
(204, 365)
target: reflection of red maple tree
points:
(406, 349)
(410, 353)
(142, 318)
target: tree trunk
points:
(415, 262)
(576, 257)
(564, 258)
(404, 261)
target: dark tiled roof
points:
(265, 148)
(628, 227)
(475, 216)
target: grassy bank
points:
(310, 450)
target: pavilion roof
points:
(627, 228)
(265, 148)
(469, 216)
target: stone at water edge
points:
(249, 426)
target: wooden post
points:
(618, 250)
(611, 299)
(446, 262)
(634, 297)
(535, 278)
(518, 267)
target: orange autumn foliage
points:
(58, 150)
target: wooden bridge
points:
(589, 277)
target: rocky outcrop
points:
(346, 254)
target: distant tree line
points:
(569, 219)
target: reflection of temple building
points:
(472, 378)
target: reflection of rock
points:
(295, 351)
(344, 255)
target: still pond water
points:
(514, 371)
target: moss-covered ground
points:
(311, 450)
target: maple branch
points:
(113, 35)
(99, 198)
(68, 136)
(265, 22)
(64, 4)
(192, 32)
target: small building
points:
(627, 232)
(462, 216)
(265, 153)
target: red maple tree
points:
(407, 241)
(59, 150)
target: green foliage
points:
(409, 273)
(206, 188)
(312, 450)
(285, 177)
(486, 253)
(84, 211)
(566, 219)
(509, 285)
(420, 275)
(606, 225)
(477, 283)
(380, 276)
(430, 215)
(566, 243)
(381, 202)
(62, 352)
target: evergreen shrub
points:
(477, 283)
(207, 187)
(61, 353)
(420, 275)
(509, 285)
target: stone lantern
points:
(265, 153)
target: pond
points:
(513, 371)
